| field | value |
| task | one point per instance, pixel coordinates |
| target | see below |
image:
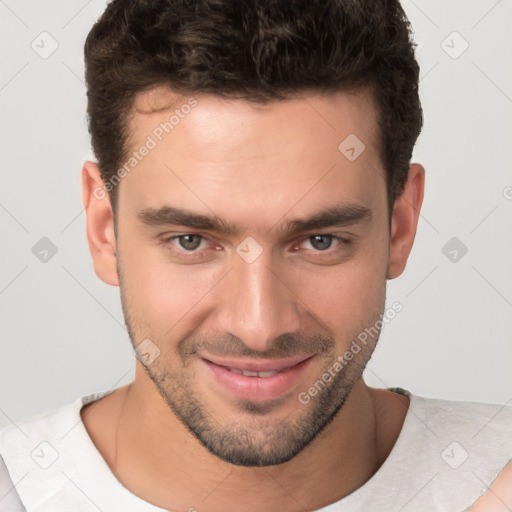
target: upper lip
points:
(254, 365)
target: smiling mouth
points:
(256, 379)
(255, 367)
(249, 373)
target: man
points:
(253, 192)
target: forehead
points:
(231, 123)
(216, 148)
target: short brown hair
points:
(258, 50)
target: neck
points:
(158, 459)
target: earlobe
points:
(404, 221)
(100, 224)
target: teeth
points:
(248, 373)
(268, 374)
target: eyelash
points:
(196, 253)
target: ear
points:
(100, 224)
(404, 220)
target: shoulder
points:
(480, 433)
(51, 423)
(35, 451)
(465, 446)
(9, 499)
(492, 422)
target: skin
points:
(498, 497)
(257, 167)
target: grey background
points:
(62, 330)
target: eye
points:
(321, 242)
(188, 245)
(189, 242)
(325, 248)
(191, 247)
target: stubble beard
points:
(259, 440)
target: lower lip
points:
(258, 388)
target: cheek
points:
(165, 297)
(170, 300)
(346, 297)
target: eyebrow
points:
(335, 216)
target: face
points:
(251, 252)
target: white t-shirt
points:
(445, 457)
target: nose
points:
(258, 304)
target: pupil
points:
(190, 242)
(321, 242)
